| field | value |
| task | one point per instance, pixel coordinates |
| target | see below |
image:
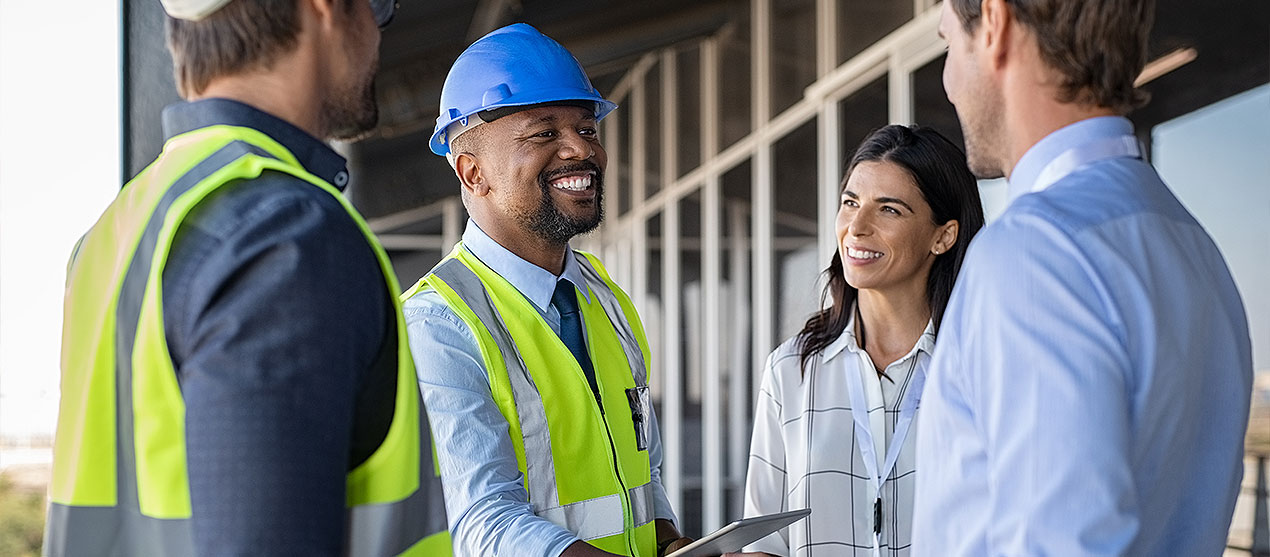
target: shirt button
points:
(341, 179)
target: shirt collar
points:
(314, 155)
(847, 341)
(534, 282)
(1034, 161)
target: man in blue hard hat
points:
(532, 362)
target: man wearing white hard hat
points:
(235, 372)
(532, 361)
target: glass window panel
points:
(652, 130)
(651, 312)
(863, 22)
(930, 104)
(797, 263)
(859, 114)
(793, 55)
(734, 81)
(691, 340)
(688, 108)
(619, 119)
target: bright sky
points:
(59, 168)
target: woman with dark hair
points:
(834, 428)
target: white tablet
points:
(734, 536)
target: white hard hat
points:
(192, 10)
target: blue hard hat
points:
(512, 66)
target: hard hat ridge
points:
(193, 10)
(515, 66)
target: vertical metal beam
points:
(639, 173)
(763, 271)
(762, 186)
(672, 401)
(638, 227)
(920, 6)
(611, 233)
(899, 87)
(711, 280)
(672, 310)
(761, 61)
(828, 179)
(738, 353)
(669, 119)
(826, 36)
(125, 89)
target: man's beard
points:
(982, 129)
(352, 113)
(554, 226)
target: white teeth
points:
(574, 183)
(862, 254)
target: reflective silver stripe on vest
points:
(642, 507)
(122, 529)
(540, 469)
(385, 529)
(613, 309)
(590, 519)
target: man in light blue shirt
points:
(1089, 392)
(484, 491)
(519, 126)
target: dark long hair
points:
(939, 169)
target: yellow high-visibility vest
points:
(120, 484)
(585, 464)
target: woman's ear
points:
(945, 237)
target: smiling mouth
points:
(863, 254)
(573, 182)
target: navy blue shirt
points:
(282, 332)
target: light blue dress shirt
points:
(1090, 386)
(485, 497)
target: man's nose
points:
(575, 147)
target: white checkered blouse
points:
(804, 451)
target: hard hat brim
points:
(602, 108)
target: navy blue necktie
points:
(566, 302)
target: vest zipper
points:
(628, 521)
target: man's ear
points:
(468, 170)
(324, 12)
(996, 25)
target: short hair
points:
(1098, 48)
(469, 141)
(243, 35)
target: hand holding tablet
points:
(734, 536)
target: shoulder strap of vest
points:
(603, 289)
(529, 406)
(76, 530)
